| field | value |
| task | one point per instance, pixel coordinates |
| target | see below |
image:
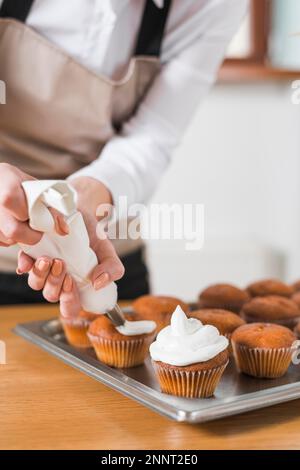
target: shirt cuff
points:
(115, 179)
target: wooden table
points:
(46, 404)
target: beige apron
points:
(58, 114)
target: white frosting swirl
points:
(187, 341)
(133, 328)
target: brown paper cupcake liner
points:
(189, 384)
(76, 333)
(263, 363)
(128, 353)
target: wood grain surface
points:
(46, 404)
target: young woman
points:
(99, 92)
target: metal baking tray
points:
(235, 394)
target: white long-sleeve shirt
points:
(101, 34)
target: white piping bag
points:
(74, 248)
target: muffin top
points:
(102, 327)
(269, 287)
(224, 296)
(270, 308)
(225, 321)
(263, 335)
(151, 305)
(187, 341)
(296, 286)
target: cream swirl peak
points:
(186, 341)
(133, 328)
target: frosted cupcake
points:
(189, 358)
(122, 346)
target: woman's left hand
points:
(50, 275)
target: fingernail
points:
(101, 281)
(57, 268)
(42, 265)
(68, 283)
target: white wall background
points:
(241, 158)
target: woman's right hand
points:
(14, 226)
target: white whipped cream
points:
(133, 328)
(187, 341)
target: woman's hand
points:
(92, 193)
(14, 227)
(50, 275)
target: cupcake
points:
(271, 309)
(75, 329)
(189, 358)
(123, 346)
(263, 349)
(226, 322)
(269, 287)
(224, 296)
(158, 308)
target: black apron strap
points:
(16, 9)
(152, 29)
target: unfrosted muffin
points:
(158, 308)
(75, 329)
(226, 322)
(263, 349)
(189, 358)
(269, 287)
(124, 346)
(224, 296)
(271, 309)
